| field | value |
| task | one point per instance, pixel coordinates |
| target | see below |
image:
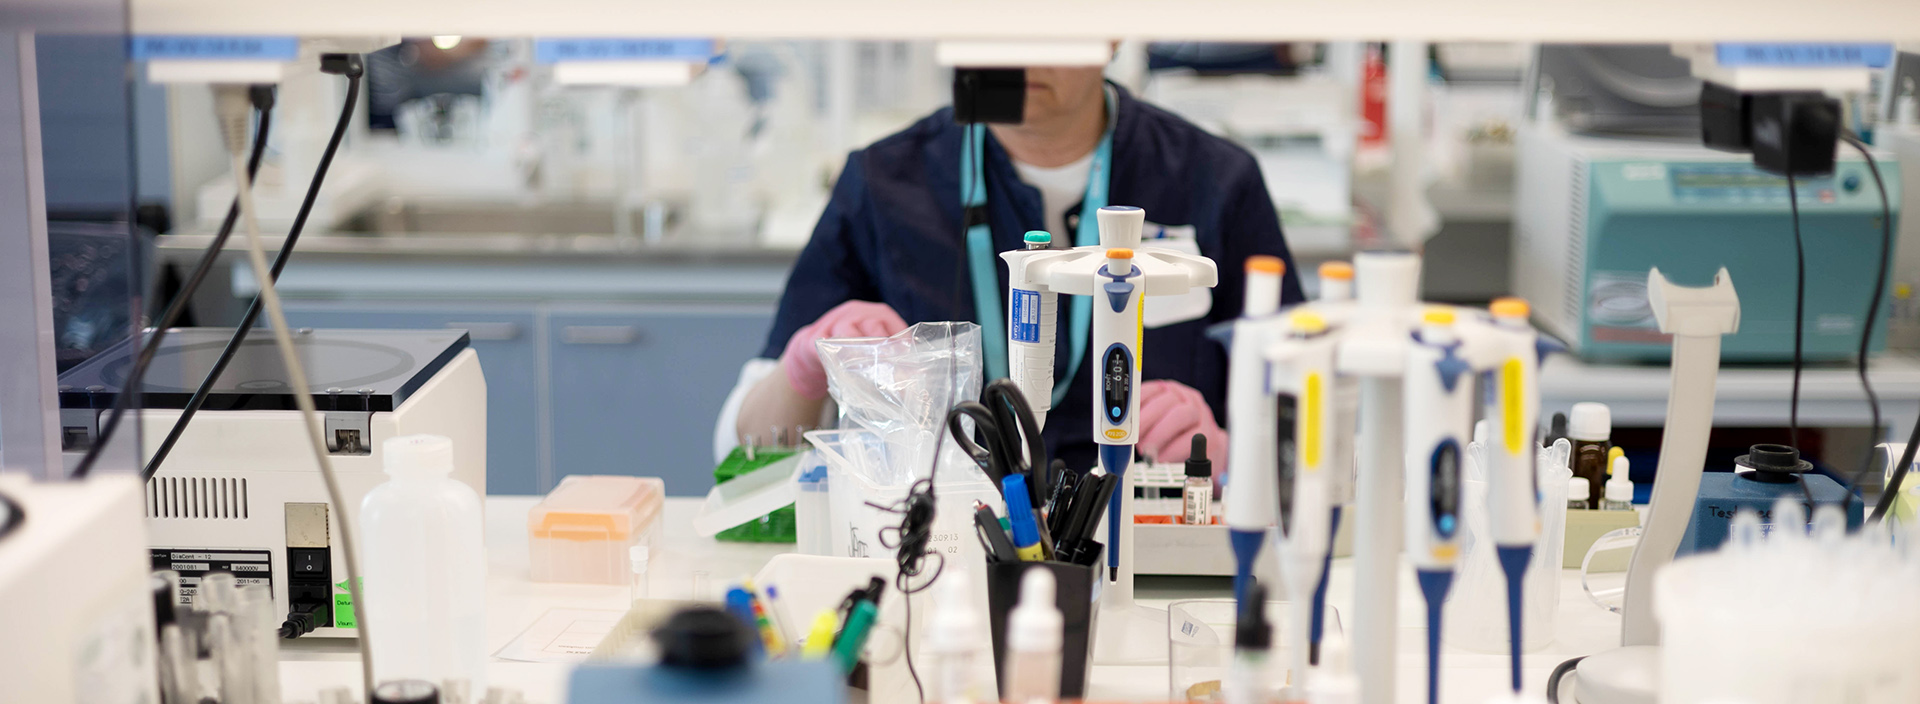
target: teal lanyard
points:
(987, 302)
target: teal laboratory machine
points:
(1593, 214)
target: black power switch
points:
(310, 583)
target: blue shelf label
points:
(550, 51)
(147, 47)
(1810, 55)
(1025, 317)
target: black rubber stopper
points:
(1776, 464)
(1197, 463)
(703, 637)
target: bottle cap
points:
(1036, 623)
(1579, 488)
(703, 637)
(1250, 629)
(1592, 422)
(1338, 271)
(1509, 307)
(1308, 322)
(417, 454)
(1266, 264)
(1619, 487)
(1614, 453)
(1437, 316)
(1119, 253)
(1039, 237)
(1197, 463)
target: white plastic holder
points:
(1696, 318)
(1130, 634)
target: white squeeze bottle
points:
(425, 571)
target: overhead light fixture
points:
(445, 42)
(1011, 54)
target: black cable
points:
(1799, 307)
(263, 108)
(1873, 307)
(1553, 679)
(353, 70)
(300, 621)
(11, 515)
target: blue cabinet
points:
(636, 389)
(507, 341)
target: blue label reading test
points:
(553, 51)
(148, 47)
(1024, 322)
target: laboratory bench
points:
(514, 603)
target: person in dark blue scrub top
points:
(890, 250)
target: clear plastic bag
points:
(899, 388)
(1477, 609)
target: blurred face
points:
(1056, 93)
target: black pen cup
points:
(1074, 589)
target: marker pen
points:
(1026, 535)
(853, 636)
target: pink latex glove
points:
(851, 319)
(1170, 414)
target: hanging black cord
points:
(1799, 308)
(263, 109)
(353, 70)
(1873, 307)
(1799, 320)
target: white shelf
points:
(1830, 394)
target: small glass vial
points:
(1619, 494)
(1196, 493)
(639, 556)
(1577, 489)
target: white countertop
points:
(513, 603)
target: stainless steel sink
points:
(397, 217)
(652, 224)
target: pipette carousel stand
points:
(1116, 275)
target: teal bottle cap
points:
(1039, 237)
